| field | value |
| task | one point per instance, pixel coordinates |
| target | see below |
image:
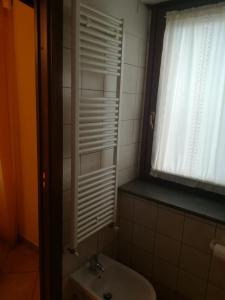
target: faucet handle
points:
(95, 265)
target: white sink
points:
(119, 281)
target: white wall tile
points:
(167, 249)
(126, 206)
(124, 249)
(66, 141)
(139, 106)
(133, 155)
(220, 233)
(126, 175)
(136, 131)
(67, 205)
(90, 162)
(142, 261)
(145, 213)
(194, 261)
(128, 156)
(66, 174)
(66, 105)
(125, 132)
(92, 81)
(165, 273)
(198, 234)
(217, 272)
(105, 238)
(125, 230)
(170, 223)
(110, 83)
(67, 196)
(124, 157)
(66, 232)
(140, 80)
(130, 78)
(128, 106)
(66, 68)
(107, 158)
(191, 287)
(131, 54)
(142, 53)
(67, 11)
(143, 238)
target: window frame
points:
(157, 29)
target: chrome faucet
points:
(95, 265)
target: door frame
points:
(49, 66)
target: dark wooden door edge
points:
(49, 24)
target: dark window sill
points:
(203, 206)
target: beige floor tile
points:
(21, 259)
(4, 250)
(17, 286)
(36, 294)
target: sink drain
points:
(107, 296)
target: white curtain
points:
(189, 137)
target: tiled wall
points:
(171, 249)
(136, 24)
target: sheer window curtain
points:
(189, 137)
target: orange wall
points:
(23, 20)
(8, 145)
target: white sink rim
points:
(107, 262)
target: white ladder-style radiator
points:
(97, 48)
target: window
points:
(189, 134)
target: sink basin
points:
(117, 282)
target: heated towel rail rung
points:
(99, 99)
(95, 219)
(95, 34)
(100, 21)
(110, 48)
(101, 14)
(97, 49)
(89, 24)
(106, 221)
(85, 182)
(100, 57)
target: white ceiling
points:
(153, 1)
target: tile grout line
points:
(210, 266)
(35, 286)
(179, 256)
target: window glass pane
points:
(189, 137)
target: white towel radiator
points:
(97, 47)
